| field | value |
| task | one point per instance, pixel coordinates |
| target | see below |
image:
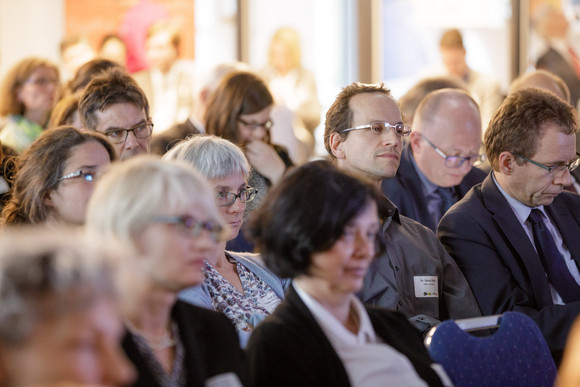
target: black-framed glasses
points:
(193, 227)
(457, 161)
(226, 199)
(380, 127)
(556, 170)
(255, 125)
(85, 174)
(119, 135)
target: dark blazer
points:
(555, 63)
(406, 190)
(210, 341)
(164, 141)
(483, 235)
(290, 349)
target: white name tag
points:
(426, 286)
(270, 302)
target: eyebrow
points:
(112, 128)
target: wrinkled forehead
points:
(368, 107)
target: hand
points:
(265, 160)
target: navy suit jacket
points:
(406, 191)
(483, 235)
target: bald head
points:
(542, 79)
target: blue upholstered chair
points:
(515, 355)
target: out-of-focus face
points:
(533, 185)
(77, 55)
(366, 154)
(124, 115)
(233, 215)
(281, 59)
(160, 51)
(454, 61)
(40, 91)
(68, 200)
(172, 257)
(79, 346)
(114, 50)
(455, 129)
(342, 268)
(253, 127)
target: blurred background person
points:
(484, 89)
(113, 48)
(239, 111)
(28, 93)
(60, 320)
(237, 284)
(55, 177)
(85, 74)
(7, 171)
(168, 82)
(166, 211)
(321, 334)
(75, 50)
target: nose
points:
(131, 141)
(259, 133)
(391, 138)
(117, 369)
(564, 179)
(237, 206)
(365, 245)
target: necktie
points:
(554, 265)
(447, 199)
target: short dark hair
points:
(110, 87)
(339, 115)
(519, 122)
(87, 72)
(306, 213)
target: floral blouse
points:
(244, 310)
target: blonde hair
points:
(290, 40)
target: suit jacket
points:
(555, 63)
(290, 349)
(482, 233)
(210, 343)
(406, 190)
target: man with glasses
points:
(364, 134)
(437, 165)
(516, 236)
(113, 104)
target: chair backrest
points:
(515, 355)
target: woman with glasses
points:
(27, 95)
(165, 211)
(239, 111)
(321, 334)
(237, 284)
(56, 176)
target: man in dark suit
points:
(436, 166)
(515, 236)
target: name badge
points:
(269, 302)
(426, 286)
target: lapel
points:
(566, 224)
(509, 225)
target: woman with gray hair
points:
(237, 284)
(60, 320)
(165, 211)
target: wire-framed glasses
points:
(457, 161)
(191, 226)
(380, 127)
(556, 170)
(85, 174)
(119, 135)
(226, 199)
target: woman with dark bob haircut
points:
(321, 227)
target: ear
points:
(415, 142)
(337, 145)
(506, 162)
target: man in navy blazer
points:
(531, 147)
(436, 166)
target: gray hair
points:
(214, 157)
(61, 271)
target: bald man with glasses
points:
(436, 166)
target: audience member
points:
(66, 112)
(7, 171)
(321, 334)
(85, 74)
(515, 236)
(239, 111)
(75, 50)
(168, 83)
(113, 104)
(569, 373)
(415, 276)
(484, 89)
(436, 167)
(113, 48)
(236, 284)
(60, 323)
(27, 95)
(166, 211)
(56, 176)
(411, 99)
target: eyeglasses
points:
(380, 127)
(119, 135)
(226, 199)
(192, 227)
(86, 175)
(457, 161)
(556, 170)
(254, 125)
(41, 82)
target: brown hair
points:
(339, 115)
(520, 120)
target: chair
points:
(515, 355)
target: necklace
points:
(155, 342)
